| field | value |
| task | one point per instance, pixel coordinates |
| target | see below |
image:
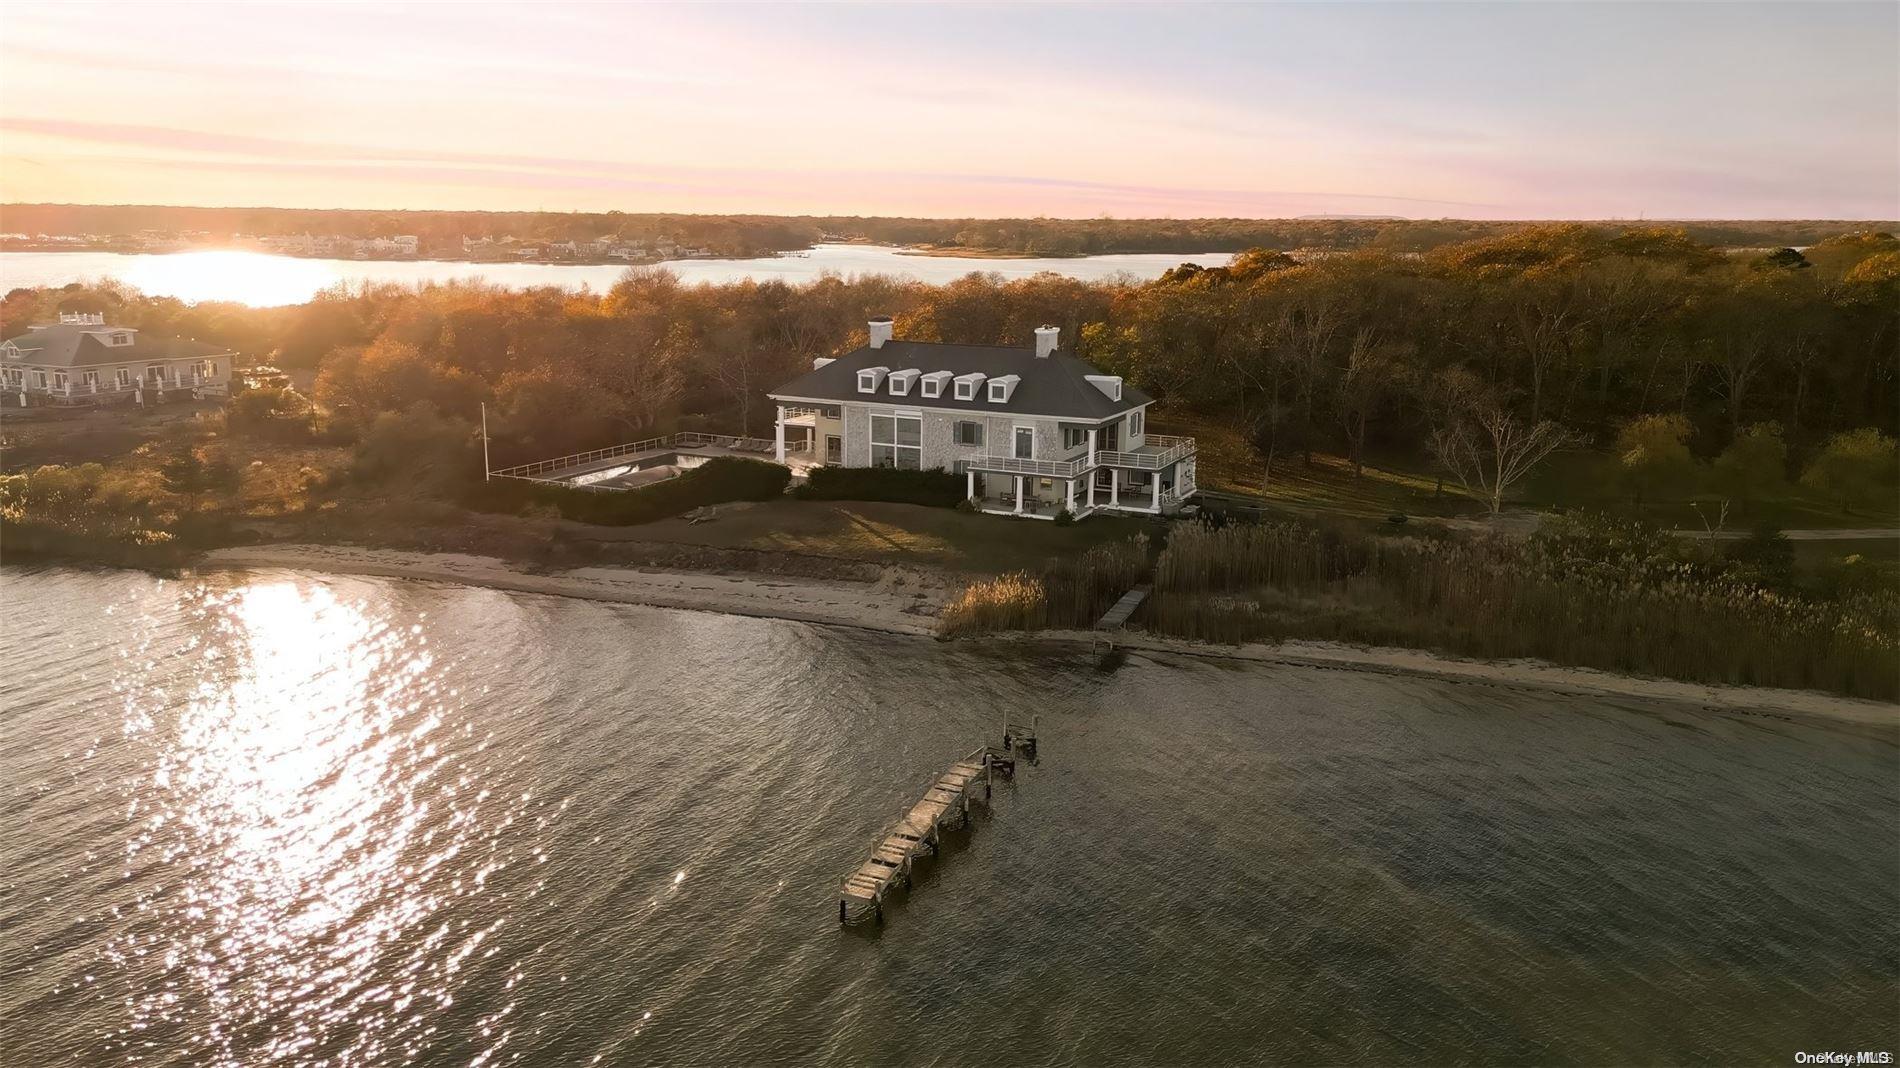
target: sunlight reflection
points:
(323, 831)
(252, 278)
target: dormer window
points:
(933, 383)
(121, 338)
(1110, 385)
(967, 385)
(901, 380)
(870, 378)
(1001, 388)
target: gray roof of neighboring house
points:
(70, 345)
(1053, 385)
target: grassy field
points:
(879, 532)
(1228, 463)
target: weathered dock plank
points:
(1118, 613)
(915, 834)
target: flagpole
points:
(485, 468)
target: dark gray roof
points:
(71, 345)
(1053, 385)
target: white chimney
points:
(1046, 340)
(880, 330)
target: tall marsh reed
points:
(1587, 593)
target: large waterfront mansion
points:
(1035, 431)
(82, 360)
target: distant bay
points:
(263, 279)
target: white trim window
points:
(969, 432)
(901, 380)
(1002, 387)
(123, 377)
(1137, 422)
(967, 385)
(121, 339)
(1074, 437)
(1022, 442)
(90, 379)
(60, 380)
(897, 441)
(869, 377)
(39, 379)
(933, 384)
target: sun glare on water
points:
(245, 277)
(304, 789)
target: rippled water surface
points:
(278, 818)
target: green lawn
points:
(879, 532)
(1228, 463)
(1578, 480)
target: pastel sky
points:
(1609, 110)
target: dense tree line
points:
(1585, 330)
(747, 235)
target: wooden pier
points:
(1117, 615)
(946, 804)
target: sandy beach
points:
(901, 604)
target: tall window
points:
(1074, 437)
(1025, 443)
(59, 380)
(125, 377)
(90, 380)
(969, 433)
(1136, 423)
(897, 441)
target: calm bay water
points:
(263, 279)
(281, 818)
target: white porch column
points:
(1114, 488)
(1019, 493)
(1068, 489)
(1091, 490)
(1091, 450)
(1155, 479)
(970, 494)
(780, 443)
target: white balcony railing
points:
(1161, 450)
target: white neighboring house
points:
(82, 360)
(1034, 430)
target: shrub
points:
(1857, 468)
(1755, 464)
(937, 488)
(724, 478)
(418, 447)
(1065, 518)
(1652, 454)
(1765, 558)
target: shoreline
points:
(891, 607)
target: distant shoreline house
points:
(81, 360)
(1035, 431)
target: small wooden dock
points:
(945, 804)
(1118, 613)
